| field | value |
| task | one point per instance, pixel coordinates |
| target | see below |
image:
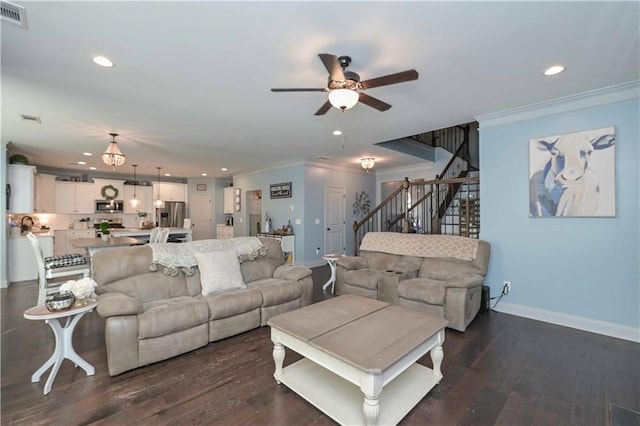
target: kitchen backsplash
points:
(66, 221)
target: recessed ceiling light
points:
(224, 169)
(167, 174)
(82, 163)
(556, 69)
(92, 168)
(88, 154)
(102, 61)
(337, 132)
(204, 174)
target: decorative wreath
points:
(109, 192)
(362, 204)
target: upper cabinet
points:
(228, 199)
(22, 182)
(74, 197)
(170, 191)
(143, 193)
(45, 193)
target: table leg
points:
(437, 354)
(371, 386)
(278, 357)
(331, 281)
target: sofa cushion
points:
(441, 269)
(275, 291)
(259, 269)
(162, 317)
(219, 270)
(424, 290)
(366, 278)
(229, 303)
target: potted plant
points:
(104, 231)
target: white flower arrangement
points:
(81, 289)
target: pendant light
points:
(112, 156)
(158, 202)
(134, 201)
(367, 163)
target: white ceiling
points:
(190, 89)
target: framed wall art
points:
(280, 190)
(573, 175)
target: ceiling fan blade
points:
(333, 66)
(299, 90)
(373, 102)
(324, 108)
(399, 77)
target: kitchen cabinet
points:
(45, 193)
(143, 193)
(224, 232)
(22, 180)
(22, 263)
(62, 238)
(228, 200)
(170, 191)
(288, 244)
(74, 197)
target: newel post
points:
(405, 207)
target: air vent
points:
(17, 15)
(32, 118)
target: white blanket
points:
(174, 255)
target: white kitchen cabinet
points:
(224, 232)
(170, 191)
(74, 197)
(143, 193)
(22, 259)
(62, 238)
(228, 200)
(98, 184)
(45, 193)
(22, 180)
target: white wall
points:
(580, 272)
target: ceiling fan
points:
(345, 87)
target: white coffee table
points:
(64, 339)
(361, 354)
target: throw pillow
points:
(219, 270)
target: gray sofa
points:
(155, 315)
(439, 274)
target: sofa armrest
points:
(114, 304)
(352, 262)
(293, 273)
(464, 281)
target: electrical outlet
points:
(506, 287)
(318, 250)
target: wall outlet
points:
(506, 287)
(318, 250)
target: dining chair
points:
(164, 235)
(155, 235)
(51, 267)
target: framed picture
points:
(280, 190)
(201, 187)
(573, 175)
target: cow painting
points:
(564, 183)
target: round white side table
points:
(64, 339)
(331, 259)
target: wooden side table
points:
(331, 259)
(64, 339)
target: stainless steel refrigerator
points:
(172, 215)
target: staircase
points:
(449, 204)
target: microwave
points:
(109, 206)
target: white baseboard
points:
(581, 323)
(4, 284)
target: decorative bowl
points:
(60, 301)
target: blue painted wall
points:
(588, 267)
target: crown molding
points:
(607, 95)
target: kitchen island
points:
(175, 234)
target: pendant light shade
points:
(112, 156)
(158, 201)
(367, 163)
(343, 98)
(134, 201)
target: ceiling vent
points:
(32, 118)
(14, 14)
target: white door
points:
(201, 218)
(334, 241)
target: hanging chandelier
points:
(134, 201)
(112, 156)
(158, 201)
(367, 163)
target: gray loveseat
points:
(155, 315)
(439, 274)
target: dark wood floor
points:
(503, 370)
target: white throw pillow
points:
(219, 270)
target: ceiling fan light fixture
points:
(112, 156)
(367, 163)
(343, 98)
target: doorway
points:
(201, 218)
(254, 203)
(334, 219)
